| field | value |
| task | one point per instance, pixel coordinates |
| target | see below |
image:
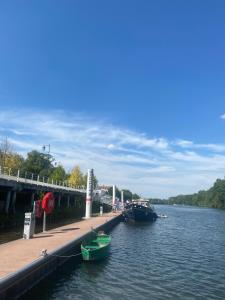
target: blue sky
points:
(134, 89)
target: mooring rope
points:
(65, 256)
(44, 254)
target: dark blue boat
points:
(140, 210)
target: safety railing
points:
(27, 177)
(34, 179)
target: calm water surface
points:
(180, 257)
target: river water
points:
(179, 257)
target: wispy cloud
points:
(191, 145)
(150, 166)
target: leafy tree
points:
(8, 158)
(95, 181)
(38, 163)
(135, 196)
(118, 192)
(76, 177)
(58, 174)
(14, 162)
(127, 195)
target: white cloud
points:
(192, 145)
(21, 144)
(184, 143)
(222, 116)
(110, 146)
(150, 166)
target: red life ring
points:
(48, 202)
(38, 209)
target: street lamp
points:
(44, 147)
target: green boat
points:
(96, 249)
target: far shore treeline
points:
(214, 197)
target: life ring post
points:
(44, 221)
(48, 204)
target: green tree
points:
(214, 197)
(118, 192)
(95, 181)
(135, 196)
(38, 163)
(58, 174)
(127, 195)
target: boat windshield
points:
(141, 202)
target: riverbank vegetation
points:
(214, 197)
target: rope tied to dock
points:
(44, 253)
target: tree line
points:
(213, 197)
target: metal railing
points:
(27, 177)
(34, 179)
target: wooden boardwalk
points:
(17, 254)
